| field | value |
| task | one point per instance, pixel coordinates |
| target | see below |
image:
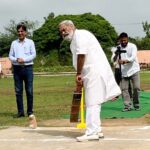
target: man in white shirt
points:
(93, 72)
(116, 51)
(130, 71)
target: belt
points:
(22, 66)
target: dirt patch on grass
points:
(145, 120)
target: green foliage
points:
(146, 28)
(48, 39)
(5, 42)
(143, 43)
(65, 54)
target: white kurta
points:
(98, 78)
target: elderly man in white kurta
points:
(94, 71)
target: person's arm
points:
(32, 53)
(12, 54)
(132, 57)
(115, 57)
(133, 54)
(123, 62)
(80, 63)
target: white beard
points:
(69, 36)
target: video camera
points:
(119, 51)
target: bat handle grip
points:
(79, 78)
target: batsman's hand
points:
(79, 83)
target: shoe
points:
(32, 122)
(127, 109)
(87, 137)
(100, 135)
(137, 108)
(19, 115)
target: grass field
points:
(52, 97)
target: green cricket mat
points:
(113, 109)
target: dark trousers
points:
(135, 79)
(117, 75)
(118, 79)
(23, 74)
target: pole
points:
(82, 124)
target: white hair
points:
(67, 23)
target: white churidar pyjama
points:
(93, 123)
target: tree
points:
(146, 28)
(47, 37)
(143, 44)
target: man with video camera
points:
(116, 51)
(129, 68)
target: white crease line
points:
(66, 139)
(51, 128)
(36, 140)
(116, 139)
(143, 128)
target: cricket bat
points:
(75, 108)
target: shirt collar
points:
(74, 33)
(23, 40)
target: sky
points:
(125, 15)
